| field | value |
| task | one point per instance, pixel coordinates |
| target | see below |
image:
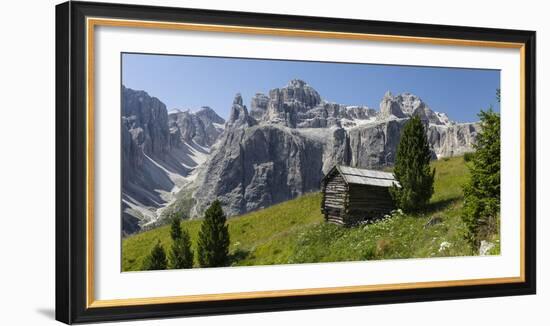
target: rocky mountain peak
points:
(205, 110)
(238, 115)
(296, 91)
(410, 103)
(238, 99)
(284, 105)
(202, 127)
(390, 108)
(146, 118)
(208, 116)
(296, 83)
(406, 105)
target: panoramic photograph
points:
(242, 162)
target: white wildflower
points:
(444, 246)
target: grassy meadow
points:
(295, 231)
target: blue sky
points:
(188, 82)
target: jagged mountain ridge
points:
(160, 151)
(202, 127)
(282, 147)
(287, 142)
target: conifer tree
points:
(412, 168)
(181, 254)
(156, 260)
(482, 192)
(175, 227)
(213, 242)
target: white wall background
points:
(27, 144)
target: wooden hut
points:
(352, 195)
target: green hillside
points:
(295, 232)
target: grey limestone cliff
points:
(293, 137)
(159, 151)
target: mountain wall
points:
(291, 138)
(279, 150)
(159, 153)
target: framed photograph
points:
(214, 162)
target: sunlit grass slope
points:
(295, 232)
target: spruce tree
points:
(180, 255)
(175, 227)
(156, 259)
(482, 192)
(412, 168)
(213, 242)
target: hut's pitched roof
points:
(366, 177)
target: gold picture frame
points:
(77, 223)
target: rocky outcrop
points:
(375, 145)
(238, 116)
(255, 167)
(285, 104)
(407, 105)
(145, 136)
(209, 117)
(328, 115)
(147, 120)
(390, 108)
(296, 91)
(202, 127)
(453, 139)
(258, 106)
